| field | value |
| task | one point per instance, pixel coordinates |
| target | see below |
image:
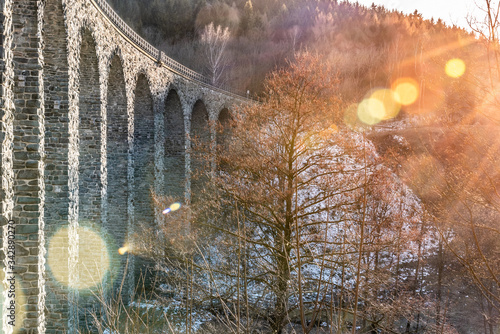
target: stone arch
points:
(175, 144)
(56, 102)
(182, 93)
(113, 54)
(117, 160)
(200, 147)
(89, 183)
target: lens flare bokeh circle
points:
(389, 102)
(93, 258)
(406, 91)
(455, 67)
(123, 250)
(371, 111)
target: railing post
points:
(160, 63)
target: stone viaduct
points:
(93, 119)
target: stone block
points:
(27, 174)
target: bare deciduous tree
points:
(214, 41)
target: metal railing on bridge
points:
(156, 54)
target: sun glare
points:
(93, 258)
(329, 131)
(405, 91)
(455, 68)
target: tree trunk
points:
(277, 319)
(439, 284)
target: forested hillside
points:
(367, 45)
(399, 118)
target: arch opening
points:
(200, 149)
(117, 163)
(143, 153)
(89, 182)
(175, 142)
(144, 148)
(223, 136)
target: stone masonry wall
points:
(25, 150)
(7, 129)
(2, 68)
(2, 103)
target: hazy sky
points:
(451, 11)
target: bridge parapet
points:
(144, 46)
